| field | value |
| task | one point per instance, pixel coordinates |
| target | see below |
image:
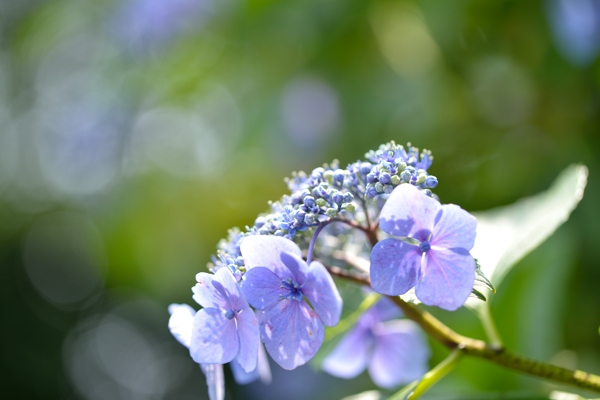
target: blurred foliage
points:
(134, 133)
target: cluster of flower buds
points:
(331, 192)
(393, 165)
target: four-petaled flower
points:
(226, 328)
(395, 351)
(277, 282)
(438, 263)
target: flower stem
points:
(311, 246)
(433, 376)
(485, 316)
(478, 348)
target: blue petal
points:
(400, 354)
(224, 279)
(262, 287)
(349, 358)
(247, 327)
(409, 212)
(206, 294)
(292, 332)
(265, 251)
(455, 228)
(214, 380)
(394, 267)
(264, 370)
(242, 377)
(296, 265)
(321, 292)
(181, 322)
(447, 278)
(214, 337)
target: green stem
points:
(433, 376)
(479, 348)
(485, 315)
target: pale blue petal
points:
(214, 380)
(265, 251)
(296, 265)
(214, 337)
(455, 228)
(262, 287)
(206, 294)
(264, 369)
(394, 266)
(349, 358)
(386, 309)
(181, 322)
(409, 212)
(231, 291)
(292, 332)
(447, 278)
(242, 377)
(247, 327)
(400, 354)
(321, 292)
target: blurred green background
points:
(134, 133)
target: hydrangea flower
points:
(277, 282)
(181, 324)
(394, 351)
(226, 328)
(434, 254)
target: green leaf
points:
(478, 294)
(507, 234)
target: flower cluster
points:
(263, 288)
(330, 192)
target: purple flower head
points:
(278, 283)
(436, 260)
(394, 351)
(226, 328)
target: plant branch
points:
(478, 348)
(437, 373)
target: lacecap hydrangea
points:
(266, 286)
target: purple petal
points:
(262, 287)
(383, 310)
(296, 265)
(214, 380)
(214, 337)
(386, 310)
(400, 354)
(181, 322)
(242, 377)
(394, 267)
(349, 357)
(264, 370)
(321, 292)
(247, 327)
(455, 228)
(409, 212)
(292, 332)
(265, 251)
(206, 294)
(226, 284)
(447, 278)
